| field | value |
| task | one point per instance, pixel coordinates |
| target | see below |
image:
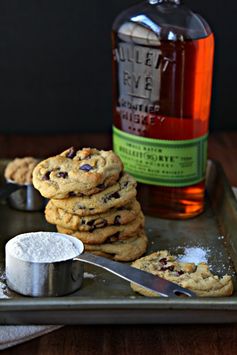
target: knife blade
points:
(145, 279)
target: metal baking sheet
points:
(106, 299)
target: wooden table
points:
(214, 339)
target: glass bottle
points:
(162, 81)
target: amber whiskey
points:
(162, 81)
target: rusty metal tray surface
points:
(106, 299)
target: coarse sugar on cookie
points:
(114, 216)
(196, 278)
(122, 250)
(77, 172)
(106, 234)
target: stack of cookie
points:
(93, 199)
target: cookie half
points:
(122, 250)
(114, 216)
(107, 234)
(198, 278)
(82, 172)
(114, 196)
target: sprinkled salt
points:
(194, 255)
(87, 275)
(42, 247)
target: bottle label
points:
(162, 162)
(139, 72)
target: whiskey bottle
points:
(162, 83)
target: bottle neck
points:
(153, 2)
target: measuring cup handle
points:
(145, 279)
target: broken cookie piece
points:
(196, 278)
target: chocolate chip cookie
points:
(77, 172)
(122, 250)
(20, 170)
(107, 234)
(196, 278)
(114, 196)
(114, 216)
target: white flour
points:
(42, 247)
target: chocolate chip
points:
(71, 154)
(72, 194)
(46, 176)
(163, 261)
(117, 221)
(101, 186)
(91, 222)
(81, 207)
(180, 272)
(114, 237)
(110, 197)
(62, 174)
(86, 167)
(170, 268)
(115, 195)
(101, 223)
(97, 223)
(125, 184)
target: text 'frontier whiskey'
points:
(162, 81)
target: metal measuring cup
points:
(22, 197)
(65, 277)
